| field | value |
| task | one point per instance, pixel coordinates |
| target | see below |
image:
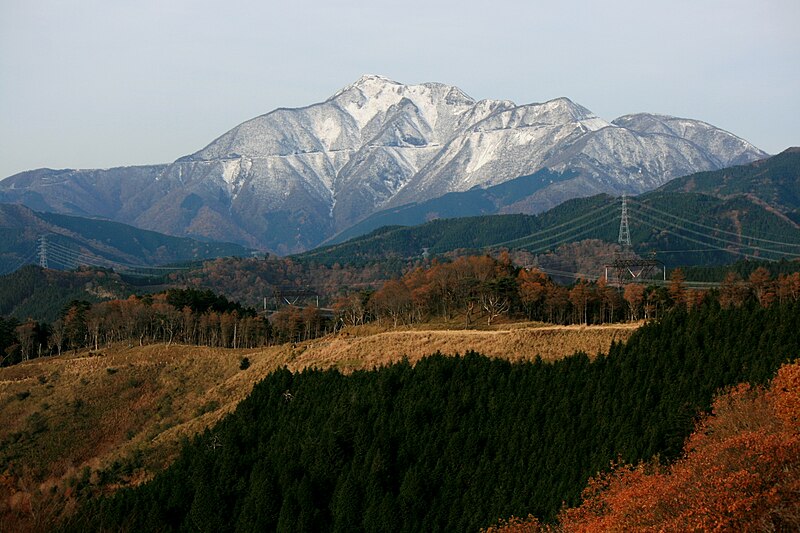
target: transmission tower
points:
(628, 266)
(42, 248)
(624, 231)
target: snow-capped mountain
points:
(291, 178)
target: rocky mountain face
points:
(287, 180)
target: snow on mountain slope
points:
(287, 180)
(509, 143)
(327, 165)
(634, 153)
(725, 148)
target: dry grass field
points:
(353, 350)
(88, 423)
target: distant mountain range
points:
(748, 211)
(773, 182)
(288, 180)
(75, 241)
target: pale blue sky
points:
(100, 83)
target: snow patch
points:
(230, 170)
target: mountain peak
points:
(375, 85)
(568, 108)
(373, 95)
(370, 84)
(373, 79)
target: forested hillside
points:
(775, 181)
(76, 241)
(683, 228)
(452, 444)
(32, 292)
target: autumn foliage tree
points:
(634, 297)
(393, 300)
(788, 287)
(677, 288)
(762, 286)
(733, 292)
(532, 286)
(740, 472)
(581, 296)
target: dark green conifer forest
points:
(453, 443)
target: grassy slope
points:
(122, 414)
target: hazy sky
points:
(100, 83)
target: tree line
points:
(485, 288)
(187, 316)
(470, 289)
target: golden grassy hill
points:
(84, 423)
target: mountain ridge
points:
(75, 241)
(291, 178)
(774, 181)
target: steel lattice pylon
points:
(624, 230)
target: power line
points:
(566, 274)
(25, 261)
(715, 238)
(593, 213)
(696, 241)
(71, 258)
(78, 257)
(591, 225)
(571, 238)
(704, 226)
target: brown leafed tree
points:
(392, 300)
(788, 287)
(762, 286)
(580, 296)
(677, 288)
(532, 287)
(733, 291)
(26, 336)
(634, 296)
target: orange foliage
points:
(733, 291)
(518, 525)
(634, 296)
(788, 287)
(763, 286)
(740, 472)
